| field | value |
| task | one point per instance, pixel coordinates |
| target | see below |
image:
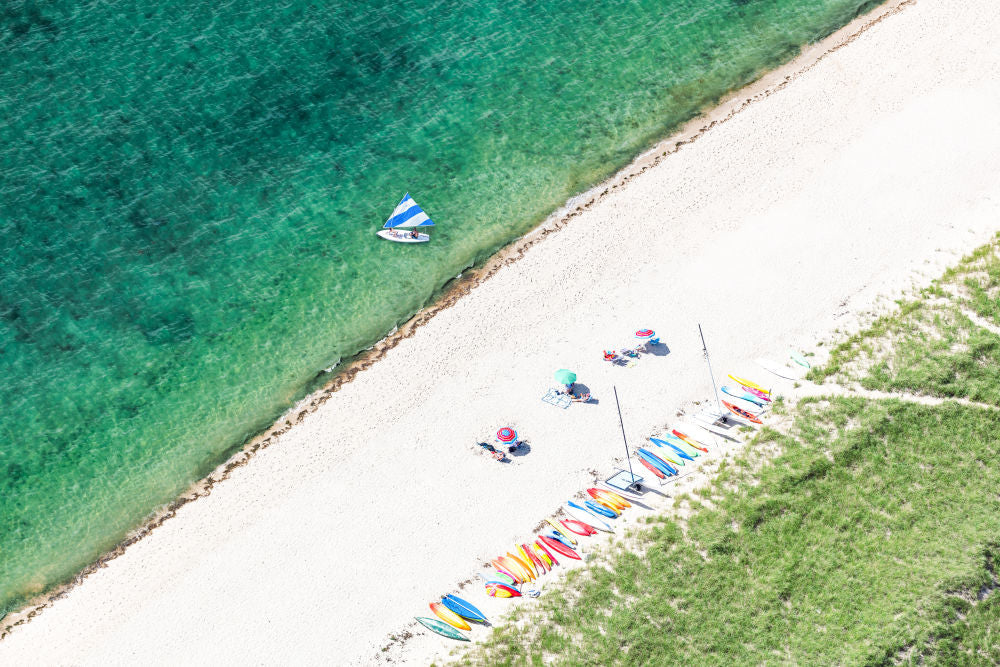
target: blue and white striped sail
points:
(408, 214)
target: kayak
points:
(616, 504)
(740, 412)
(664, 467)
(562, 530)
(651, 468)
(676, 448)
(540, 565)
(448, 616)
(463, 608)
(600, 509)
(617, 496)
(539, 544)
(501, 565)
(579, 527)
(748, 384)
(588, 517)
(522, 553)
(524, 566)
(559, 547)
(688, 441)
(442, 628)
(553, 535)
(499, 589)
(743, 396)
(496, 575)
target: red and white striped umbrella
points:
(644, 334)
(506, 435)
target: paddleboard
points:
(780, 370)
(402, 237)
(463, 608)
(740, 412)
(559, 547)
(448, 616)
(442, 628)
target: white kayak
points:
(402, 237)
(588, 518)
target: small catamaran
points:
(406, 215)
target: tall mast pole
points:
(624, 439)
(711, 375)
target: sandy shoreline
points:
(267, 525)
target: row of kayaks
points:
(517, 569)
(524, 564)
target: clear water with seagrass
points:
(189, 194)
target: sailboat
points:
(406, 216)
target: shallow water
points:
(189, 193)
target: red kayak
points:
(541, 545)
(651, 468)
(578, 527)
(740, 412)
(559, 547)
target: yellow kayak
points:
(748, 383)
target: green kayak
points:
(441, 628)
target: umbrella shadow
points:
(658, 350)
(523, 449)
(580, 389)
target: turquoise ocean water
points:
(189, 193)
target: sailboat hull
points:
(402, 237)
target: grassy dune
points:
(872, 537)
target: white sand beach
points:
(863, 175)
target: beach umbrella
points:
(506, 435)
(564, 376)
(644, 334)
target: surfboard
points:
(741, 413)
(448, 616)
(463, 608)
(441, 628)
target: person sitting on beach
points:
(569, 388)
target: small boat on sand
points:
(406, 218)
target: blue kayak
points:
(600, 509)
(657, 462)
(666, 443)
(463, 608)
(743, 396)
(559, 538)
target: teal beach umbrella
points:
(564, 376)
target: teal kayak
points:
(441, 628)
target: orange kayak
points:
(448, 616)
(740, 412)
